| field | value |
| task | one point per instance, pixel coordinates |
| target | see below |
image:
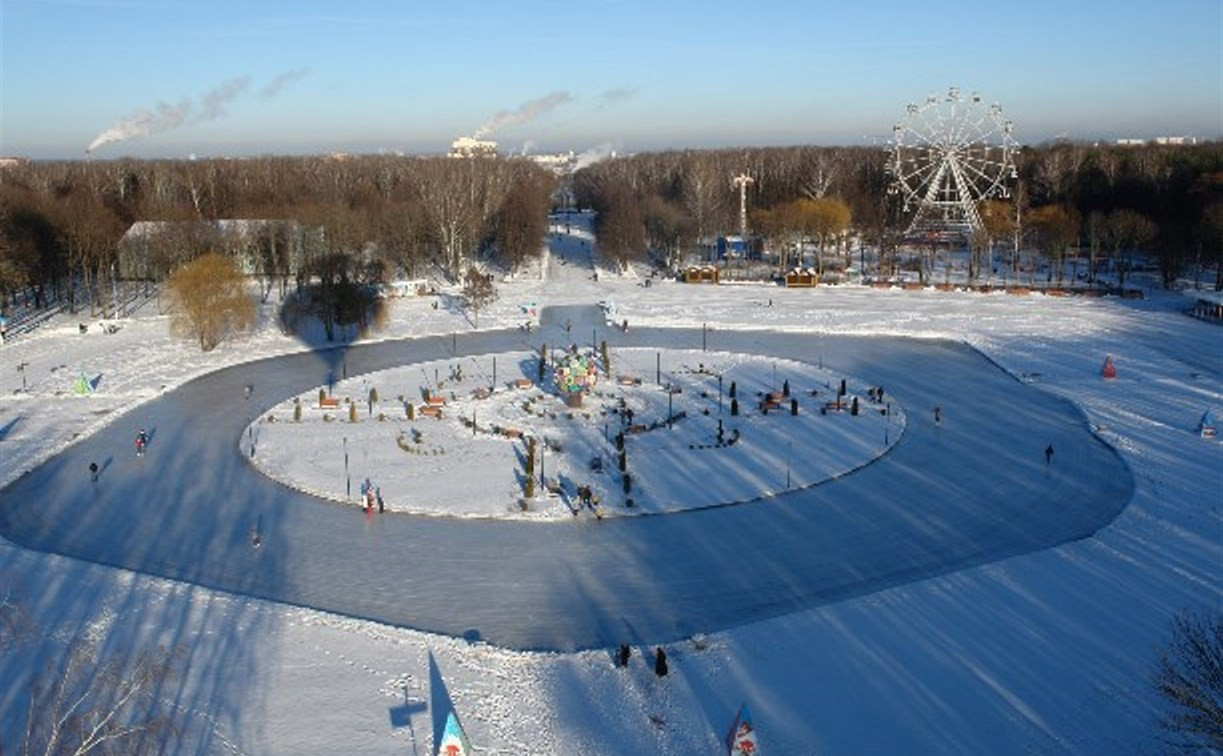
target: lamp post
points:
(789, 453)
(347, 477)
(719, 393)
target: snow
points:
(1045, 650)
(404, 458)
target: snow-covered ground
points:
(402, 459)
(1048, 652)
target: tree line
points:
(1105, 200)
(367, 218)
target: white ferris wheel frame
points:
(947, 155)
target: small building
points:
(417, 287)
(734, 248)
(701, 274)
(151, 249)
(1208, 306)
(802, 277)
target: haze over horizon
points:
(178, 78)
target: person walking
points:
(93, 471)
(622, 655)
(660, 662)
(1049, 455)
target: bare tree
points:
(1056, 228)
(1189, 676)
(619, 225)
(1128, 230)
(522, 221)
(478, 292)
(211, 300)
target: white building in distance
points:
(467, 147)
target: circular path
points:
(969, 490)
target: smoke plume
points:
(276, 85)
(187, 112)
(595, 154)
(528, 111)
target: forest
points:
(359, 220)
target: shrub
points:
(734, 405)
(352, 413)
(322, 394)
(297, 411)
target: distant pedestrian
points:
(93, 471)
(938, 414)
(1049, 454)
(660, 662)
(622, 655)
(256, 538)
(378, 496)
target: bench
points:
(430, 410)
(329, 402)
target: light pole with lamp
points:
(347, 477)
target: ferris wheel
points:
(948, 154)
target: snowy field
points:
(426, 465)
(1047, 652)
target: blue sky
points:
(227, 77)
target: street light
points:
(347, 477)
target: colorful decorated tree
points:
(574, 376)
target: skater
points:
(93, 471)
(938, 414)
(378, 496)
(256, 539)
(142, 440)
(622, 655)
(1048, 455)
(660, 662)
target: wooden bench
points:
(329, 402)
(436, 401)
(523, 383)
(430, 410)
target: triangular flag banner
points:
(741, 740)
(454, 740)
(82, 386)
(1207, 426)
(1109, 370)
